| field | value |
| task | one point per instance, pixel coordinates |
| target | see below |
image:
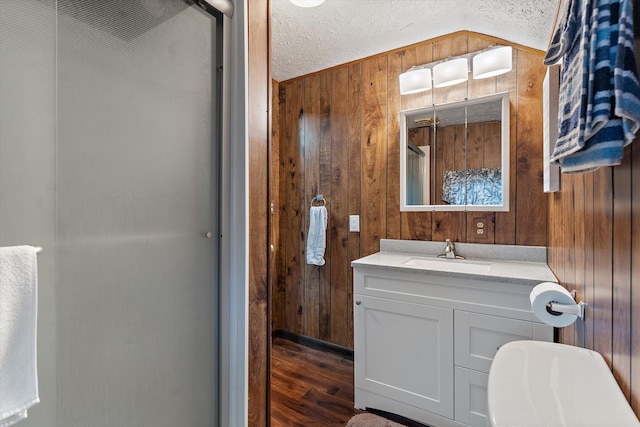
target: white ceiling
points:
(305, 40)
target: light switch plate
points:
(354, 223)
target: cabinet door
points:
(478, 337)
(404, 351)
(471, 397)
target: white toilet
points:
(539, 384)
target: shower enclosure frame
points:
(233, 390)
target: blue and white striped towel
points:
(594, 130)
(568, 47)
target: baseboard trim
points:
(314, 343)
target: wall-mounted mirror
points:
(455, 156)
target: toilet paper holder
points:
(557, 309)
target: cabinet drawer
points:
(471, 397)
(478, 337)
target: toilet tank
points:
(540, 384)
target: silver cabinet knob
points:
(208, 235)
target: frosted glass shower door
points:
(136, 196)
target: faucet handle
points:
(448, 246)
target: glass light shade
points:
(307, 3)
(492, 62)
(451, 72)
(414, 81)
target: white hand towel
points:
(317, 238)
(18, 310)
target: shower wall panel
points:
(137, 276)
(27, 166)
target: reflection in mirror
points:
(456, 156)
(419, 158)
(418, 167)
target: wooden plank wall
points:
(259, 103)
(339, 136)
(594, 248)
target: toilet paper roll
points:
(545, 293)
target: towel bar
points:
(38, 249)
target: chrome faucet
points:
(450, 251)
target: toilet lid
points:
(538, 384)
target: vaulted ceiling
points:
(305, 40)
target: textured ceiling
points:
(306, 40)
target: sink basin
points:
(455, 265)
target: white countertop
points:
(498, 263)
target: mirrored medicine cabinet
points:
(455, 156)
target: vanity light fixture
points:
(416, 79)
(451, 72)
(307, 3)
(490, 62)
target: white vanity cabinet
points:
(424, 340)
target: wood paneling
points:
(393, 145)
(373, 221)
(593, 235)
(355, 185)
(292, 206)
(621, 357)
(568, 254)
(589, 256)
(353, 111)
(635, 273)
(311, 147)
(492, 147)
(276, 190)
(531, 226)
(338, 229)
(579, 253)
(326, 137)
(592, 250)
(260, 98)
(603, 259)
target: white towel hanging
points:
(317, 237)
(18, 312)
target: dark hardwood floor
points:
(310, 387)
